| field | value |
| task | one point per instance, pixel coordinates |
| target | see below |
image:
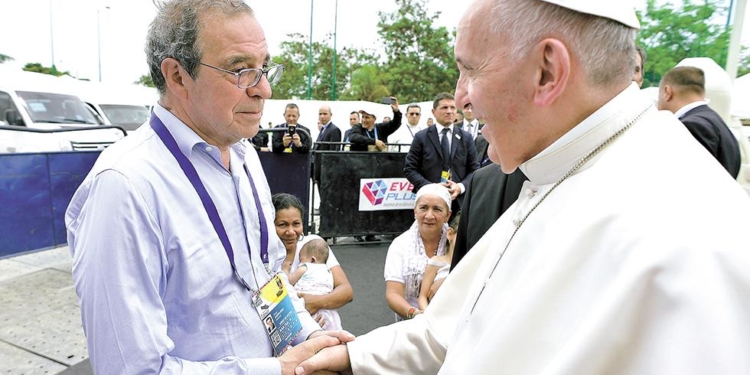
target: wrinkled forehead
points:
(474, 28)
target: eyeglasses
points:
(247, 78)
(414, 114)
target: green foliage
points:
(4, 58)
(145, 80)
(295, 58)
(38, 68)
(419, 57)
(672, 33)
(367, 84)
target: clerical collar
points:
(553, 162)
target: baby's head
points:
(315, 251)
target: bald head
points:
(324, 115)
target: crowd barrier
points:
(35, 189)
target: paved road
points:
(40, 331)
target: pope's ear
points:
(174, 76)
(552, 63)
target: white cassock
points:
(404, 135)
(638, 263)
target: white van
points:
(37, 114)
(127, 106)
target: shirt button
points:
(209, 149)
(516, 222)
(530, 193)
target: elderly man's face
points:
(216, 108)
(493, 86)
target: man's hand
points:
(292, 357)
(380, 145)
(297, 141)
(287, 140)
(335, 358)
(394, 105)
(453, 189)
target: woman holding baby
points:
(289, 227)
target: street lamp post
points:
(309, 62)
(52, 38)
(335, 34)
(99, 39)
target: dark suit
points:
(482, 146)
(260, 140)
(425, 158)
(360, 137)
(277, 141)
(330, 133)
(489, 193)
(710, 130)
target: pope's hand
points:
(335, 358)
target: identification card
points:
(277, 312)
(288, 150)
(445, 176)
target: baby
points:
(438, 266)
(313, 277)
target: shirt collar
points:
(186, 138)
(682, 111)
(553, 162)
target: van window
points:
(56, 108)
(6, 107)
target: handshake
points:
(324, 352)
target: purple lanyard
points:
(208, 203)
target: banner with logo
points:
(381, 194)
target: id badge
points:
(277, 313)
(288, 150)
(445, 176)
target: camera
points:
(387, 100)
(291, 130)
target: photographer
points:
(292, 140)
(370, 136)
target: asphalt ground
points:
(363, 264)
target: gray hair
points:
(606, 48)
(175, 30)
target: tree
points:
(367, 84)
(145, 80)
(295, 58)
(670, 34)
(38, 68)
(419, 57)
(4, 58)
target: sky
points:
(86, 34)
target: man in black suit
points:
(442, 153)
(353, 121)
(329, 133)
(489, 193)
(682, 92)
(291, 140)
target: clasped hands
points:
(324, 352)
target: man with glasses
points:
(172, 231)
(405, 134)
